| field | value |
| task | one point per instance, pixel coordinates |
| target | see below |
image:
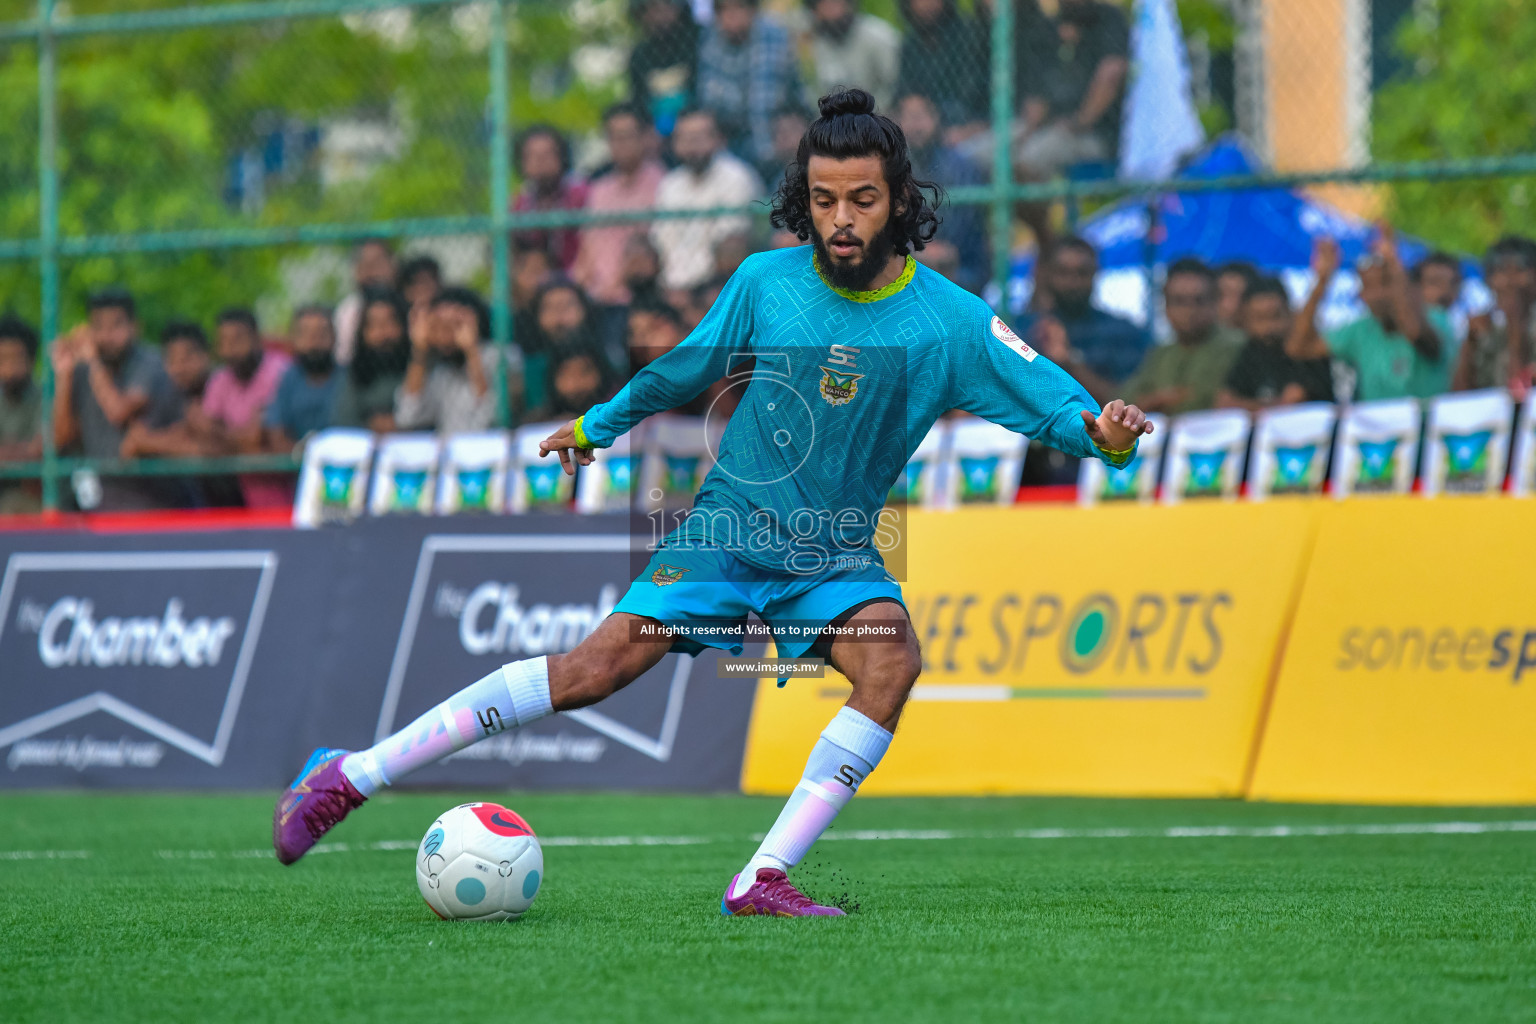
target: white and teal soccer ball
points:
(479, 862)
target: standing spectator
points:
(707, 176)
(108, 381)
(1500, 350)
(1399, 348)
(448, 387)
(1098, 348)
(421, 278)
(21, 412)
(849, 47)
(747, 70)
(366, 397)
(1232, 283)
(373, 266)
(544, 162)
(237, 397)
(1186, 374)
(631, 185)
(944, 57)
(307, 393)
(1264, 374)
(1073, 97)
(962, 241)
(664, 63)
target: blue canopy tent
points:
(1271, 228)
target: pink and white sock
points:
(513, 695)
(849, 749)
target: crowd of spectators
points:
(715, 112)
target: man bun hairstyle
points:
(849, 128)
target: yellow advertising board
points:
(1109, 650)
(1410, 674)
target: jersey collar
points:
(871, 296)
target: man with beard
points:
(108, 381)
(184, 351)
(448, 386)
(1399, 349)
(549, 185)
(964, 245)
(1073, 95)
(366, 397)
(237, 398)
(307, 393)
(849, 46)
(858, 350)
(1098, 348)
(748, 68)
(706, 177)
(1265, 374)
(21, 412)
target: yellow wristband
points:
(1120, 456)
(581, 435)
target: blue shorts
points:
(710, 609)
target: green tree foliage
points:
(150, 123)
(1468, 96)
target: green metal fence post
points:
(501, 200)
(48, 226)
(1002, 145)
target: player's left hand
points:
(563, 441)
(1117, 427)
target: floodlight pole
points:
(1002, 148)
(48, 234)
(501, 206)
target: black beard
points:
(452, 358)
(369, 363)
(114, 363)
(1074, 305)
(195, 390)
(245, 369)
(316, 363)
(857, 277)
(17, 389)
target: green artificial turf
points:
(172, 915)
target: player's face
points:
(851, 214)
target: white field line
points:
(1426, 828)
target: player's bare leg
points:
(335, 782)
(882, 673)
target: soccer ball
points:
(479, 862)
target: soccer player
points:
(858, 350)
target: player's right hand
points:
(563, 441)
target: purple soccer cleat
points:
(318, 799)
(772, 895)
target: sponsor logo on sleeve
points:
(1003, 333)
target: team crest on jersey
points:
(666, 575)
(839, 388)
(1003, 333)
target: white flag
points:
(1161, 124)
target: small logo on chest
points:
(839, 388)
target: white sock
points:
(513, 695)
(849, 749)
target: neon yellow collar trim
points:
(879, 293)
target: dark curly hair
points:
(850, 128)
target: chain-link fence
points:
(239, 154)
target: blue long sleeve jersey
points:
(839, 388)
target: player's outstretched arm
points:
(1115, 430)
(572, 449)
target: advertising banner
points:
(1410, 672)
(333, 482)
(983, 463)
(1378, 448)
(1065, 651)
(1206, 455)
(1525, 448)
(1466, 443)
(404, 475)
(219, 660)
(473, 476)
(1290, 451)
